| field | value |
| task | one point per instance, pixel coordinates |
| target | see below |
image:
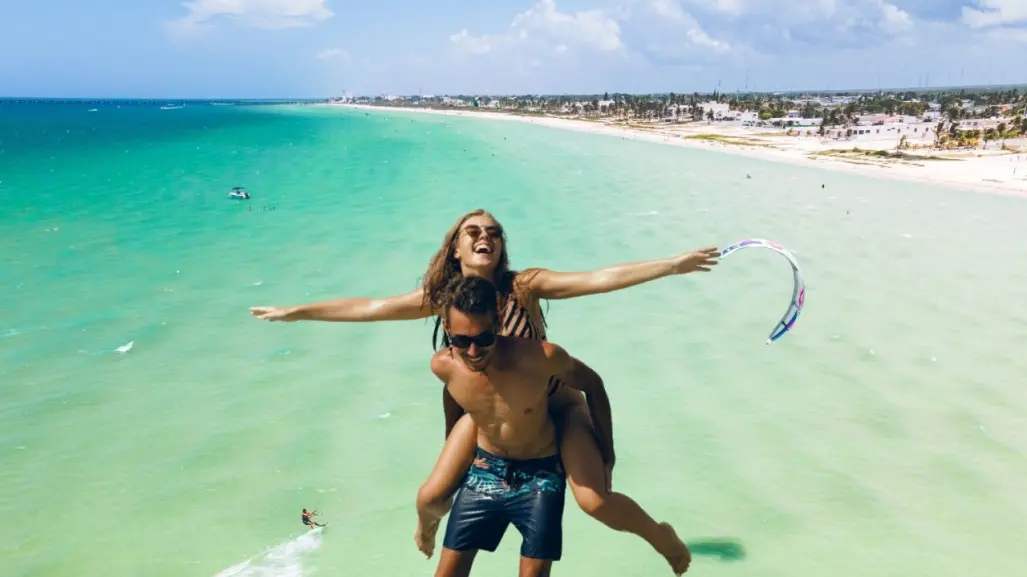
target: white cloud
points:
(1008, 35)
(719, 7)
(266, 14)
(333, 53)
(787, 14)
(694, 31)
(995, 13)
(681, 44)
(682, 22)
(544, 26)
(869, 15)
(728, 6)
(894, 20)
(591, 28)
(781, 26)
(665, 31)
(472, 44)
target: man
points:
(308, 519)
(517, 476)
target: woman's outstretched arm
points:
(548, 284)
(351, 310)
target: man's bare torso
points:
(508, 401)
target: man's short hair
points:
(472, 295)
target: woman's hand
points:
(283, 314)
(701, 260)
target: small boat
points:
(239, 193)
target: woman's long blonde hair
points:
(444, 271)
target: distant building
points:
(720, 109)
(795, 122)
(894, 131)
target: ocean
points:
(885, 435)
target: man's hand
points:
(701, 260)
(274, 313)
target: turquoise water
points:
(884, 436)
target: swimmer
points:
(476, 245)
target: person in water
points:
(476, 246)
(308, 519)
(517, 476)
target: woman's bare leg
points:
(586, 475)
(434, 498)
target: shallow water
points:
(884, 436)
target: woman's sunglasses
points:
(474, 231)
(483, 340)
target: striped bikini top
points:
(517, 323)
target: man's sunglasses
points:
(483, 340)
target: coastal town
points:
(901, 131)
(947, 119)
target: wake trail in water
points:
(282, 560)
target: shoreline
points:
(993, 171)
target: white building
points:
(981, 123)
(720, 109)
(915, 133)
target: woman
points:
(476, 245)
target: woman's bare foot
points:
(424, 536)
(675, 550)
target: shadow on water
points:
(723, 549)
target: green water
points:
(884, 436)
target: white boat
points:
(239, 194)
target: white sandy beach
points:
(990, 170)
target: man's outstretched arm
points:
(580, 376)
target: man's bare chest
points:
(504, 395)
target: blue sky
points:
(317, 48)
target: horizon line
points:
(922, 89)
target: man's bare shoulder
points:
(442, 364)
(542, 356)
(554, 353)
(526, 349)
